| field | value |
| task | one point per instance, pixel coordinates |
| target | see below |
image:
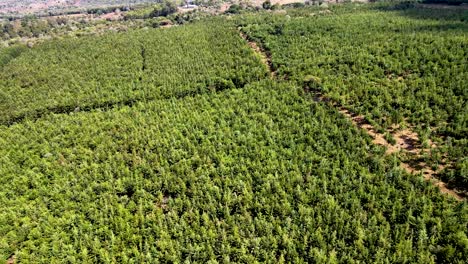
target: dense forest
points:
(179, 144)
(125, 67)
(407, 67)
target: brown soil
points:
(111, 16)
(11, 260)
(407, 141)
(224, 7)
(429, 175)
(265, 58)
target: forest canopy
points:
(222, 140)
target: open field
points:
(293, 136)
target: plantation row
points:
(60, 76)
(389, 65)
(253, 174)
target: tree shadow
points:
(428, 11)
(10, 53)
(446, 14)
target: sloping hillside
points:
(178, 145)
(23, 7)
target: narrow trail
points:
(264, 55)
(406, 140)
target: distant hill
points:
(26, 7)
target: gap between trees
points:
(406, 140)
(265, 56)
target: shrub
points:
(164, 9)
(267, 4)
(234, 9)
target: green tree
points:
(164, 9)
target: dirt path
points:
(264, 56)
(407, 141)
